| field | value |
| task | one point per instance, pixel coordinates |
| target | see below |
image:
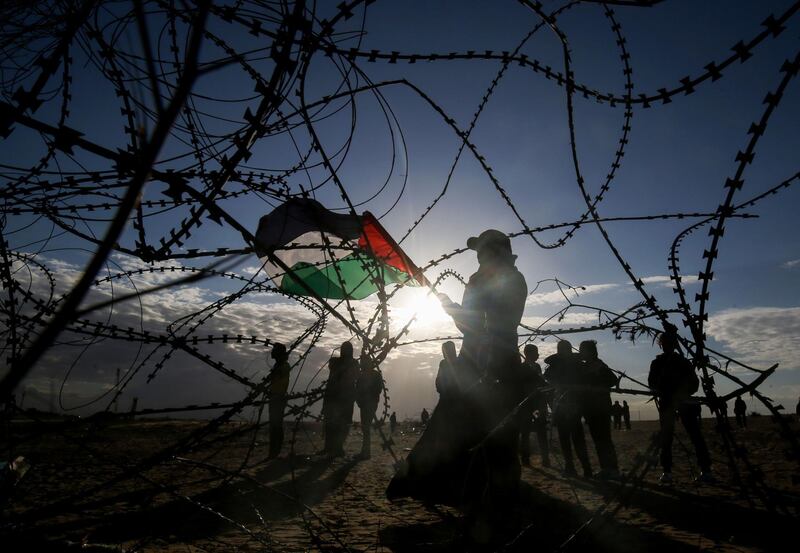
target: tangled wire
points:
(220, 119)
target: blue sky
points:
(677, 159)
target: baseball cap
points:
(489, 238)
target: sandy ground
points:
(86, 487)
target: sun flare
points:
(424, 305)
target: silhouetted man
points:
(598, 380)
(616, 414)
(368, 392)
(695, 409)
(470, 461)
(673, 380)
(337, 405)
(563, 373)
(535, 406)
(722, 410)
(626, 414)
(424, 417)
(279, 385)
(447, 378)
(740, 410)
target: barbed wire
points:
(184, 154)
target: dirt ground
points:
(99, 487)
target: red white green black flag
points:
(337, 256)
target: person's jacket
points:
(672, 378)
(596, 381)
(368, 388)
(490, 312)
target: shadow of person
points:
(247, 501)
(717, 514)
(277, 468)
(538, 523)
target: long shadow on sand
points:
(548, 522)
(716, 516)
(188, 519)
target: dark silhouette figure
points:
(533, 413)
(392, 423)
(616, 414)
(797, 409)
(695, 410)
(279, 385)
(337, 404)
(626, 414)
(563, 372)
(740, 410)
(424, 417)
(673, 380)
(368, 392)
(447, 378)
(722, 411)
(467, 455)
(598, 380)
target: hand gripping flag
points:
(337, 256)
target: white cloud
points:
(665, 280)
(791, 264)
(557, 296)
(185, 379)
(569, 319)
(759, 336)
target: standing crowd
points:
(490, 400)
(350, 383)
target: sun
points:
(424, 305)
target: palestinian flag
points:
(338, 256)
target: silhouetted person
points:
(673, 380)
(797, 409)
(722, 410)
(533, 413)
(8, 412)
(563, 373)
(447, 378)
(10, 405)
(392, 423)
(626, 414)
(740, 410)
(467, 456)
(337, 405)
(279, 385)
(368, 392)
(695, 409)
(598, 380)
(616, 414)
(424, 417)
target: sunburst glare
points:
(422, 303)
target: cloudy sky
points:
(396, 162)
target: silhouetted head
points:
(492, 246)
(588, 350)
(346, 350)
(668, 341)
(449, 351)
(564, 347)
(616, 402)
(279, 352)
(531, 353)
(624, 402)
